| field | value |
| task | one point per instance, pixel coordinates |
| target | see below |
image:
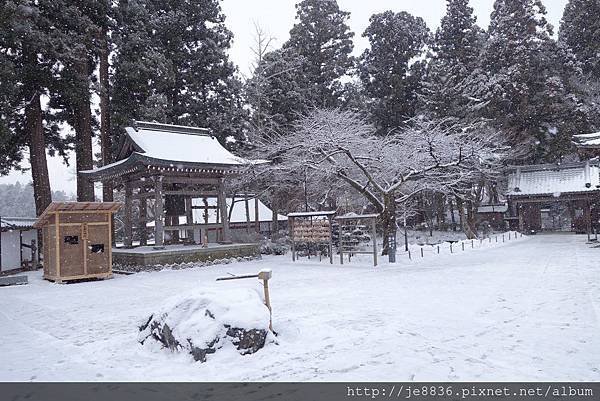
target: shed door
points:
(97, 249)
(71, 251)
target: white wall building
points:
(14, 233)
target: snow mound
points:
(202, 322)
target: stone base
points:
(177, 254)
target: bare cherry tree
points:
(434, 155)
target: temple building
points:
(554, 197)
(167, 173)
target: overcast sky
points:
(277, 17)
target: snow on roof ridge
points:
(176, 129)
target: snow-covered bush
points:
(202, 322)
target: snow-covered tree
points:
(172, 66)
(338, 145)
(526, 87)
(456, 49)
(580, 32)
(322, 39)
(389, 79)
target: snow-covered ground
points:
(522, 310)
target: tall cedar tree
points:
(28, 47)
(323, 41)
(172, 67)
(580, 31)
(389, 80)
(80, 26)
(456, 49)
(527, 90)
(105, 44)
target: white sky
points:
(277, 17)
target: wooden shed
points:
(77, 240)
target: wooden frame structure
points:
(310, 233)
(161, 168)
(350, 249)
(77, 240)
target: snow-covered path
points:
(525, 310)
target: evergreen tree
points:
(29, 42)
(527, 90)
(172, 66)
(390, 80)
(322, 39)
(580, 32)
(457, 46)
(80, 31)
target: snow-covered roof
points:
(587, 140)
(180, 144)
(170, 147)
(549, 179)
(238, 215)
(9, 223)
(493, 208)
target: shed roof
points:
(554, 180)
(75, 207)
(16, 223)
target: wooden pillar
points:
(143, 218)
(521, 218)
(159, 232)
(127, 221)
(374, 235)
(256, 215)
(587, 212)
(222, 204)
(247, 206)
(189, 217)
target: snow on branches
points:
(424, 155)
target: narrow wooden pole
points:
(451, 247)
(374, 235)
(463, 245)
(159, 230)
(421, 252)
(268, 302)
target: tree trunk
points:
(388, 221)
(105, 140)
(83, 138)
(37, 155)
(467, 229)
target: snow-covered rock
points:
(202, 322)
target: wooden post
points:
(331, 240)
(189, 217)
(451, 247)
(256, 215)
(421, 251)
(374, 235)
(142, 229)
(438, 249)
(247, 205)
(128, 223)
(222, 204)
(463, 245)
(265, 275)
(291, 223)
(159, 229)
